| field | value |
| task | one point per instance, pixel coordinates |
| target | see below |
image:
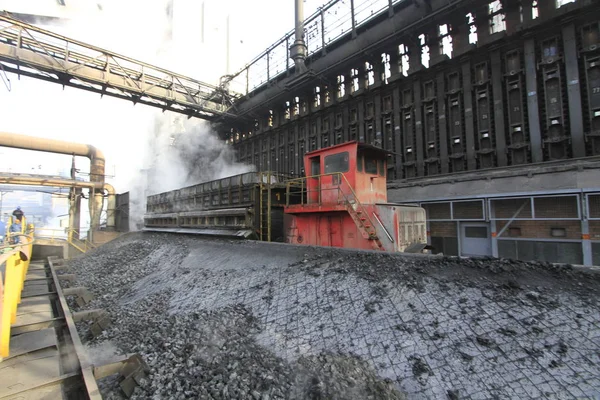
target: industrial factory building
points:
(491, 110)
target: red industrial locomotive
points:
(343, 203)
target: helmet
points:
(19, 208)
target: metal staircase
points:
(360, 216)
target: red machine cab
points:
(342, 202)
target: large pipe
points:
(298, 49)
(97, 165)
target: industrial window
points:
(476, 232)
(381, 168)
(359, 163)
(337, 163)
(315, 166)
(370, 166)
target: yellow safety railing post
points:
(14, 281)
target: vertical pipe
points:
(324, 50)
(298, 49)
(353, 19)
(202, 23)
(227, 46)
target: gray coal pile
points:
(246, 320)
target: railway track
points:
(47, 358)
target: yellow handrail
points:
(68, 235)
(17, 264)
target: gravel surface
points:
(245, 320)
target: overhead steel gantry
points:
(31, 51)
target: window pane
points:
(381, 168)
(476, 231)
(337, 163)
(370, 166)
(359, 162)
(315, 166)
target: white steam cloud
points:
(146, 150)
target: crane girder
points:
(35, 52)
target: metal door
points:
(324, 231)
(475, 239)
(336, 232)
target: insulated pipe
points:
(97, 164)
(32, 180)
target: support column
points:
(441, 109)
(418, 127)
(460, 35)
(498, 96)
(74, 212)
(396, 131)
(512, 14)
(493, 228)
(535, 135)
(573, 91)
(586, 243)
(414, 58)
(469, 129)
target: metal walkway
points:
(46, 356)
(31, 51)
(47, 359)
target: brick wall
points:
(442, 229)
(508, 208)
(594, 230)
(468, 210)
(541, 229)
(437, 210)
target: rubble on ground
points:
(246, 320)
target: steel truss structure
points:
(31, 51)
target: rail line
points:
(46, 357)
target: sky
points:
(129, 135)
(138, 29)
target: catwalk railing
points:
(332, 21)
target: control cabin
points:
(342, 202)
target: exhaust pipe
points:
(298, 49)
